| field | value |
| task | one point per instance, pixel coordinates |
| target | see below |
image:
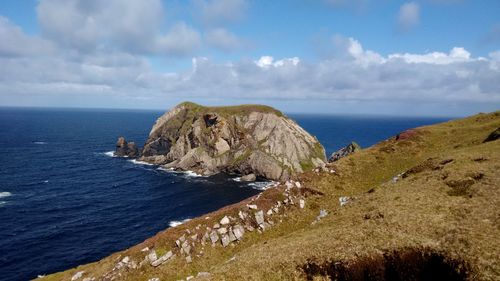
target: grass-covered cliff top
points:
(243, 109)
(425, 203)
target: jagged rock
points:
(249, 177)
(345, 151)
(242, 215)
(152, 256)
(145, 249)
(126, 149)
(154, 279)
(89, 279)
(297, 184)
(214, 237)
(302, 203)
(248, 139)
(269, 212)
(222, 230)
(162, 259)
(259, 217)
(77, 275)
(253, 207)
(493, 136)
(224, 220)
(232, 237)
(238, 231)
(225, 240)
(189, 259)
(186, 248)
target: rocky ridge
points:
(245, 140)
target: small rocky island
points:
(249, 140)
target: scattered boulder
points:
(77, 275)
(154, 279)
(302, 203)
(238, 231)
(162, 259)
(249, 177)
(493, 136)
(214, 237)
(345, 151)
(224, 220)
(259, 217)
(124, 149)
(344, 200)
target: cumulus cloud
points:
(132, 26)
(13, 41)
(222, 39)
(353, 74)
(219, 12)
(408, 16)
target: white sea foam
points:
(45, 181)
(137, 162)
(110, 154)
(189, 174)
(262, 185)
(2, 203)
(5, 194)
(238, 179)
(176, 223)
(39, 142)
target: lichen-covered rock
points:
(247, 139)
(345, 151)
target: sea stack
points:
(244, 140)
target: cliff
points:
(245, 139)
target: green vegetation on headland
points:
(418, 206)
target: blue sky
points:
(429, 57)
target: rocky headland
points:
(250, 140)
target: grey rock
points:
(189, 259)
(224, 220)
(152, 256)
(225, 240)
(493, 136)
(252, 207)
(302, 203)
(222, 230)
(259, 217)
(154, 279)
(344, 200)
(249, 177)
(238, 231)
(248, 140)
(77, 275)
(345, 151)
(162, 259)
(214, 237)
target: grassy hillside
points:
(422, 206)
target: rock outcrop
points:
(343, 152)
(246, 139)
(493, 136)
(125, 149)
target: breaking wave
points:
(176, 223)
(5, 194)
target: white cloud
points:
(219, 12)
(268, 61)
(111, 77)
(13, 41)
(408, 16)
(457, 54)
(222, 39)
(132, 26)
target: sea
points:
(65, 200)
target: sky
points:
(383, 57)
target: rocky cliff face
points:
(247, 139)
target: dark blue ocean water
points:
(64, 202)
